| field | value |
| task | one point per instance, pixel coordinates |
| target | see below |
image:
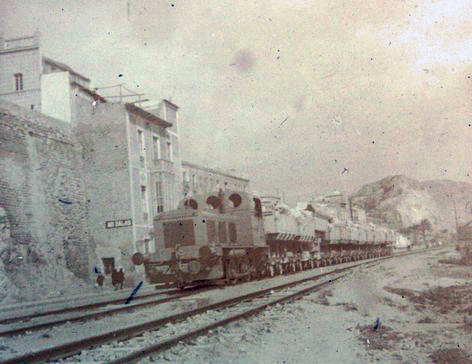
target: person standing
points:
(121, 278)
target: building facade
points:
(201, 180)
(20, 70)
(39, 83)
(132, 173)
(129, 169)
(130, 156)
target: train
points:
(233, 236)
(464, 239)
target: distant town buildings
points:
(130, 157)
(200, 180)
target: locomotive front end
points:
(208, 238)
(184, 252)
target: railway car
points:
(231, 236)
(464, 239)
(402, 242)
(294, 236)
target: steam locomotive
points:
(229, 236)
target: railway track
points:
(19, 325)
(77, 308)
(55, 352)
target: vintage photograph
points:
(267, 181)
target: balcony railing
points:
(163, 166)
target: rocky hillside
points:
(404, 203)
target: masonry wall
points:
(42, 192)
(101, 130)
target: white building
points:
(39, 83)
(200, 180)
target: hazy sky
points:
(302, 97)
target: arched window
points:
(213, 201)
(236, 199)
(191, 203)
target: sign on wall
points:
(118, 223)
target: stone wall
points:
(42, 193)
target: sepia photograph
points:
(253, 181)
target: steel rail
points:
(73, 348)
(153, 349)
(89, 306)
(83, 307)
(95, 315)
(201, 331)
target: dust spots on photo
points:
(244, 60)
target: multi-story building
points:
(39, 83)
(131, 158)
(198, 180)
(20, 71)
(132, 173)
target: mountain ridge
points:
(403, 203)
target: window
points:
(222, 232)
(159, 198)
(236, 199)
(141, 146)
(191, 204)
(19, 81)
(169, 150)
(144, 203)
(156, 153)
(257, 207)
(211, 230)
(233, 236)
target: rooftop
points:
(64, 67)
(147, 115)
(89, 92)
(222, 173)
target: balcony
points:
(163, 166)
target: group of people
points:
(117, 279)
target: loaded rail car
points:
(230, 236)
(464, 239)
